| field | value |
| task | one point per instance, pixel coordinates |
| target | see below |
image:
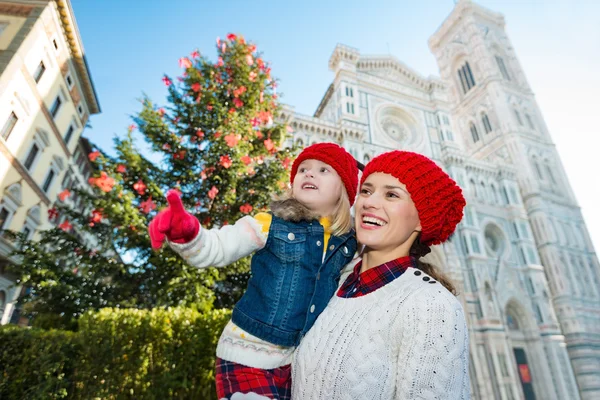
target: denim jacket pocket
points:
(289, 246)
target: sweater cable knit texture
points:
(406, 340)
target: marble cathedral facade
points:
(528, 274)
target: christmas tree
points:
(218, 141)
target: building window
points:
(550, 174)
(530, 286)
(66, 183)
(55, 44)
(529, 121)
(512, 322)
(4, 217)
(27, 231)
(486, 123)
(352, 108)
(3, 26)
(80, 110)
(465, 75)
(363, 99)
(524, 230)
(538, 171)
(31, 156)
(48, 181)
(475, 244)
(347, 107)
(513, 196)
(55, 106)
(474, 133)
(518, 117)
(39, 72)
(69, 80)
(9, 125)
(502, 68)
(69, 133)
(449, 136)
(538, 314)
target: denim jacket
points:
(292, 281)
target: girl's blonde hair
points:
(341, 219)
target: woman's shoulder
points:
(425, 288)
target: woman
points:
(394, 329)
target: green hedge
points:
(36, 364)
(115, 354)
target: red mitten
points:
(174, 222)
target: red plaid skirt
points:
(237, 378)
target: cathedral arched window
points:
(512, 321)
(465, 76)
(538, 170)
(474, 133)
(473, 187)
(299, 142)
(483, 191)
(529, 121)
(549, 172)
(538, 314)
(505, 195)
(495, 197)
(486, 123)
(502, 67)
(518, 117)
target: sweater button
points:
(291, 236)
(345, 250)
(426, 278)
(331, 247)
(312, 309)
(318, 243)
(318, 275)
(417, 273)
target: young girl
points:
(301, 247)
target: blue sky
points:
(131, 44)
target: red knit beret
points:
(438, 199)
(339, 159)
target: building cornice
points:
(370, 63)
(71, 31)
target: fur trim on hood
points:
(292, 210)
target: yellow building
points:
(46, 98)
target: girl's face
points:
(318, 186)
(386, 216)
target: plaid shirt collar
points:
(357, 284)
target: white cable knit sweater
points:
(406, 340)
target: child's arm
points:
(219, 247)
(203, 248)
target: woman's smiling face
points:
(386, 216)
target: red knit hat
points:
(438, 199)
(339, 159)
